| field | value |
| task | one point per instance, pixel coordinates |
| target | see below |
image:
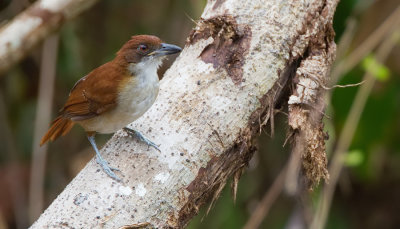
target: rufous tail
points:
(59, 127)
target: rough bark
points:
(306, 104)
(213, 101)
(30, 27)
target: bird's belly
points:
(132, 103)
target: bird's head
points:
(145, 50)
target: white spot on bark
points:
(162, 177)
(294, 100)
(140, 190)
(125, 190)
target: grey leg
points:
(103, 163)
(135, 133)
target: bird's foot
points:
(135, 133)
(109, 170)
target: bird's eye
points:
(143, 48)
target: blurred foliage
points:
(343, 11)
(372, 66)
(367, 193)
(354, 158)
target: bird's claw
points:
(135, 133)
(109, 170)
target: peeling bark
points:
(224, 86)
(229, 47)
(306, 104)
(29, 28)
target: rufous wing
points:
(92, 95)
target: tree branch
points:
(30, 27)
(235, 66)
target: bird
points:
(115, 94)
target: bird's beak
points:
(166, 49)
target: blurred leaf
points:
(354, 158)
(378, 70)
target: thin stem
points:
(269, 198)
(367, 46)
(43, 117)
(347, 135)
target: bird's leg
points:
(135, 133)
(100, 160)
